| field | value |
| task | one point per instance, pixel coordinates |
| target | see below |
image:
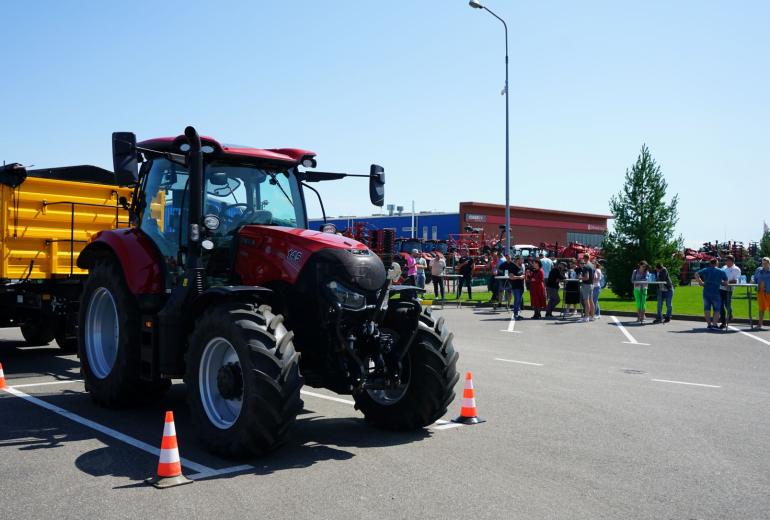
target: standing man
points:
(547, 264)
(437, 266)
(733, 273)
(665, 292)
(504, 268)
(712, 280)
(587, 288)
(598, 279)
(419, 269)
(762, 279)
(465, 268)
(516, 281)
(411, 270)
(552, 288)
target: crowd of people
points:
(510, 277)
(545, 280)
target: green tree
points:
(764, 244)
(644, 225)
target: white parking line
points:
(136, 443)
(750, 335)
(446, 425)
(684, 383)
(511, 325)
(519, 362)
(327, 397)
(442, 424)
(46, 383)
(219, 472)
(631, 340)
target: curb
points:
(679, 317)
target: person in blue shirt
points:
(712, 279)
(762, 279)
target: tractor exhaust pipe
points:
(195, 167)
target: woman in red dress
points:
(535, 282)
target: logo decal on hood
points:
(294, 256)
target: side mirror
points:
(124, 158)
(377, 185)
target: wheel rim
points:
(102, 332)
(392, 396)
(221, 383)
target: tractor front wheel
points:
(428, 379)
(243, 379)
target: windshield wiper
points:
(275, 182)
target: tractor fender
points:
(224, 292)
(139, 258)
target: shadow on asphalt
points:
(704, 330)
(20, 360)
(313, 439)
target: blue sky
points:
(415, 86)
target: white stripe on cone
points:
(469, 384)
(167, 456)
(469, 402)
(169, 430)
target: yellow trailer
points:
(46, 218)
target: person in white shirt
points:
(733, 275)
(437, 266)
(547, 265)
(420, 265)
(598, 276)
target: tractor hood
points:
(274, 253)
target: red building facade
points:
(534, 225)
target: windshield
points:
(237, 194)
(241, 195)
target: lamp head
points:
(475, 4)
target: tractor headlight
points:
(347, 298)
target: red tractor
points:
(218, 282)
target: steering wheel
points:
(250, 216)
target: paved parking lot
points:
(599, 420)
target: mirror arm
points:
(320, 201)
(174, 158)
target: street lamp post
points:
(477, 5)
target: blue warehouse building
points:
(429, 225)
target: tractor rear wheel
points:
(108, 341)
(243, 379)
(429, 377)
(37, 332)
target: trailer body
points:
(46, 219)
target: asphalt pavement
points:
(584, 421)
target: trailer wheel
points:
(429, 376)
(108, 341)
(67, 344)
(243, 379)
(37, 332)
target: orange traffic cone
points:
(169, 465)
(468, 409)
(2, 377)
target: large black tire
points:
(431, 372)
(67, 344)
(264, 383)
(120, 384)
(37, 332)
